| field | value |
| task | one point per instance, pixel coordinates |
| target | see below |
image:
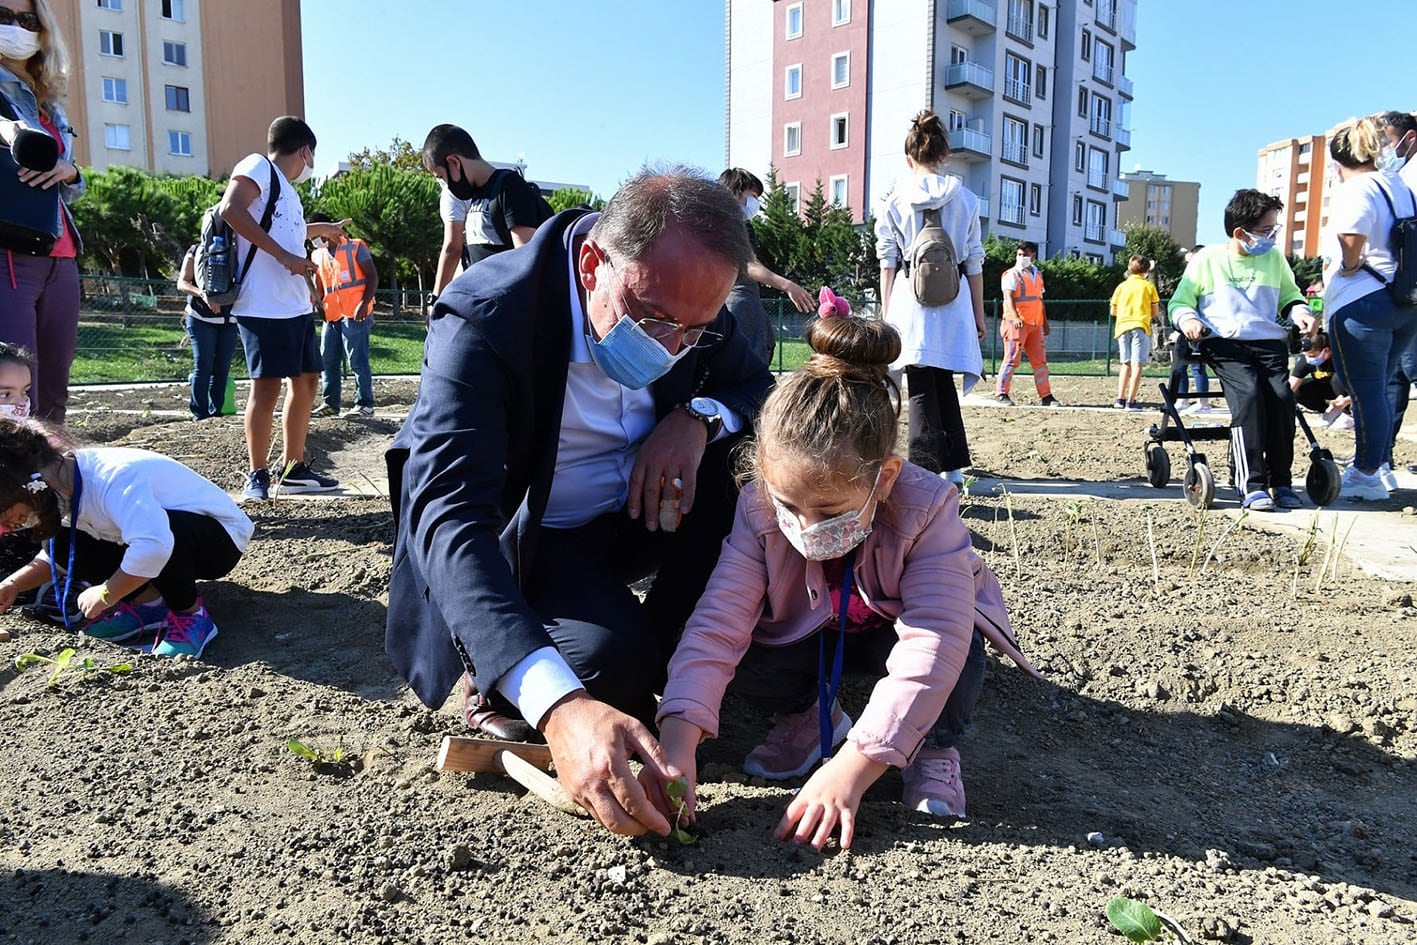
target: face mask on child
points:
(16, 411)
(831, 537)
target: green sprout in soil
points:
(332, 763)
(1141, 923)
(1074, 510)
(64, 665)
(676, 790)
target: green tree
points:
(1307, 271)
(191, 196)
(123, 220)
(1156, 244)
(398, 154)
(565, 198)
(999, 255)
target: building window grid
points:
(1085, 47)
(1107, 14)
(115, 5)
(840, 131)
(792, 139)
(1015, 141)
(110, 44)
(1017, 71)
(1102, 62)
(1079, 156)
(841, 70)
(1101, 116)
(1037, 141)
(836, 187)
(1042, 22)
(115, 90)
(1083, 98)
(793, 16)
(1095, 230)
(175, 10)
(179, 143)
(1040, 82)
(1077, 210)
(179, 98)
(118, 137)
(841, 12)
(174, 54)
(792, 81)
(1020, 20)
(1035, 200)
(1011, 207)
(794, 194)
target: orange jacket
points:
(342, 278)
(1026, 290)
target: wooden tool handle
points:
(539, 783)
(459, 753)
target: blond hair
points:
(1355, 142)
(48, 69)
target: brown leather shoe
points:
(482, 716)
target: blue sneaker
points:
(186, 634)
(127, 621)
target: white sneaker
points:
(1344, 421)
(1388, 477)
(1363, 486)
(955, 476)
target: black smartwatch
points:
(705, 410)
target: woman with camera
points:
(39, 275)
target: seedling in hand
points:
(676, 790)
(64, 663)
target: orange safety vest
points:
(343, 279)
(1028, 295)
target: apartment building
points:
(1034, 94)
(1168, 205)
(1298, 172)
(179, 86)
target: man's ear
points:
(588, 264)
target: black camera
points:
(1315, 343)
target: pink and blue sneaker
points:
(127, 621)
(185, 634)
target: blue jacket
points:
(24, 104)
(470, 472)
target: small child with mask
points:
(842, 557)
(15, 377)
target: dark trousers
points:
(618, 645)
(1254, 376)
(783, 679)
(39, 309)
(937, 438)
(201, 549)
(1400, 391)
(212, 347)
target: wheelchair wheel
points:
(1158, 465)
(1323, 482)
(1199, 485)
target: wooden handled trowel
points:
(524, 763)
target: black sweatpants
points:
(1255, 378)
(937, 438)
(202, 550)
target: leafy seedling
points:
(333, 763)
(1141, 923)
(64, 664)
(1074, 510)
(967, 485)
(676, 790)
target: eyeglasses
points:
(665, 331)
(26, 21)
(1265, 233)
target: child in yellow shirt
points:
(1134, 305)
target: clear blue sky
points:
(586, 93)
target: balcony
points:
(1018, 90)
(1124, 86)
(973, 17)
(983, 208)
(1102, 72)
(1121, 190)
(1015, 152)
(1107, 15)
(1101, 126)
(971, 80)
(971, 145)
(1123, 137)
(1117, 237)
(1097, 179)
(1093, 232)
(1020, 27)
(1011, 213)
(1127, 23)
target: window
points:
(1096, 226)
(1097, 166)
(794, 21)
(110, 4)
(792, 82)
(174, 10)
(1015, 141)
(1035, 199)
(1020, 22)
(179, 143)
(841, 12)
(841, 70)
(1042, 22)
(1038, 141)
(1082, 102)
(958, 54)
(838, 190)
(1079, 156)
(1086, 46)
(1077, 210)
(839, 131)
(1040, 82)
(794, 194)
(957, 119)
(1102, 116)
(792, 139)
(1102, 62)
(110, 44)
(1107, 13)
(174, 54)
(117, 137)
(115, 90)
(1011, 200)
(179, 99)
(1017, 72)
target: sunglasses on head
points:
(25, 21)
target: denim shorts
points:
(1134, 345)
(279, 347)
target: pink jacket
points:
(916, 567)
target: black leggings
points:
(201, 549)
(937, 439)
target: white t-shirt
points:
(478, 229)
(269, 290)
(1357, 206)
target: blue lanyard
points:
(63, 600)
(826, 691)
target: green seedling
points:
(64, 664)
(1141, 923)
(1013, 532)
(967, 485)
(1074, 510)
(676, 790)
(333, 763)
(1200, 540)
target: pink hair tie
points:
(832, 305)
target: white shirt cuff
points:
(732, 422)
(542, 679)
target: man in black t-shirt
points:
(484, 209)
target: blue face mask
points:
(1258, 245)
(630, 357)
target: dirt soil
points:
(1234, 744)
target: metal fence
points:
(131, 331)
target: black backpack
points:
(500, 179)
(216, 250)
(1403, 284)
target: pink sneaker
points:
(933, 783)
(794, 744)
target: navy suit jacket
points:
(470, 472)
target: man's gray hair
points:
(660, 197)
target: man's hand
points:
(1305, 321)
(672, 451)
(592, 745)
(92, 603)
(61, 173)
(1047, 328)
(800, 297)
(363, 310)
(1192, 328)
(298, 265)
(327, 230)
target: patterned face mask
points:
(831, 537)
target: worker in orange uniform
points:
(1024, 326)
(346, 281)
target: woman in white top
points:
(140, 528)
(936, 342)
(1368, 332)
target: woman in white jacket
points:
(937, 342)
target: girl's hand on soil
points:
(680, 741)
(830, 797)
(92, 603)
(8, 593)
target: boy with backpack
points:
(1024, 326)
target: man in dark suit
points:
(566, 386)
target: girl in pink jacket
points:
(842, 556)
